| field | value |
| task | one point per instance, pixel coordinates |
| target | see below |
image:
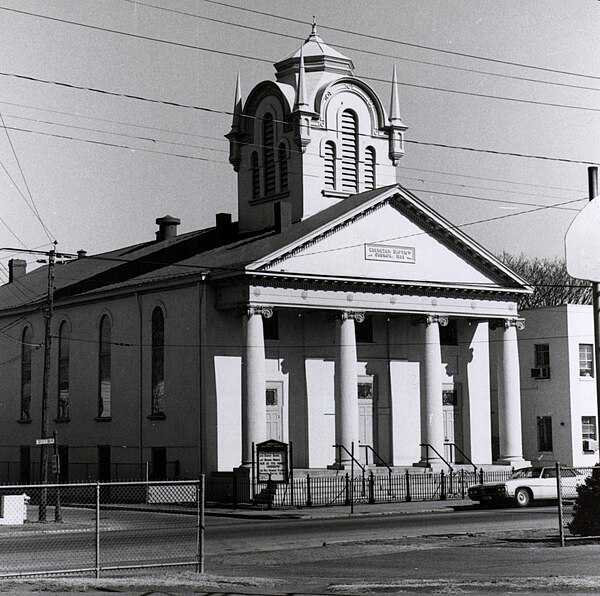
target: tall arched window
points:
(255, 176)
(269, 153)
(329, 163)
(369, 168)
(104, 392)
(26, 349)
(349, 151)
(283, 168)
(63, 371)
(158, 362)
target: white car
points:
(526, 484)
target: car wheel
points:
(522, 497)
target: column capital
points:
(518, 323)
(258, 309)
(356, 315)
(429, 319)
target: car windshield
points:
(526, 473)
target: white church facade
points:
(340, 313)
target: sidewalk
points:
(337, 511)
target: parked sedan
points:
(526, 484)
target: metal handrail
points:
(367, 447)
(429, 446)
(463, 454)
(351, 456)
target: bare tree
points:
(551, 282)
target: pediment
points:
(393, 238)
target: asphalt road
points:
(470, 549)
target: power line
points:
(35, 209)
(408, 44)
(263, 30)
(256, 58)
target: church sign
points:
(389, 252)
(272, 461)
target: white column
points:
(346, 380)
(432, 420)
(254, 416)
(509, 395)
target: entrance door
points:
(274, 402)
(452, 422)
(365, 418)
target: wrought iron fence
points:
(579, 502)
(97, 527)
(316, 490)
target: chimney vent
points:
(167, 227)
(283, 216)
(17, 268)
(81, 254)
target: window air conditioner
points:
(590, 445)
(543, 372)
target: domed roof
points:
(317, 55)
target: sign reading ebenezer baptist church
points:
(389, 252)
(272, 461)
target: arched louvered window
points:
(283, 168)
(158, 362)
(64, 337)
(369, 168)
(26, 349)
(255, 176)
(269, 153)
(104, 366)
(349, 151)
(329, 157)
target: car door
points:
(548, 484)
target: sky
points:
(113, 112)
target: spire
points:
(237, 104)
(397, 127)
(314, 36)
(394, 102)
(301, 101)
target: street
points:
(467, 547)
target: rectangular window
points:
(542, 355)
(104, 463)
(159, 463)
(25, 464)
(544, 428)
(588, 433)
(586, 360)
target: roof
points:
(213, 253)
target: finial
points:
(301, 101)
(237, 104)
(313, 32)
(394, 101)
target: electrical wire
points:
(263, 30)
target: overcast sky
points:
(99, 168)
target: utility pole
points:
(593, 193)
(46, 378)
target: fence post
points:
(480, 475)
(561, 522)
(408, 497)
(97, 530)
(462, 483)
(269, 493)
(200, 497)
(371, 488)
(308, 497)
(347, 491)
(442, 486)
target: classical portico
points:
(384, 311)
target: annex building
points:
(338, 310)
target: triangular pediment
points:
(392, 238)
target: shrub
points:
(586, 510)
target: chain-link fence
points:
(322, 490)
(91, 528)
(579, 502)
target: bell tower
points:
(314, 136)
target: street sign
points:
(48, 441)
(582, 243)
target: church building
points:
(339, 313)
